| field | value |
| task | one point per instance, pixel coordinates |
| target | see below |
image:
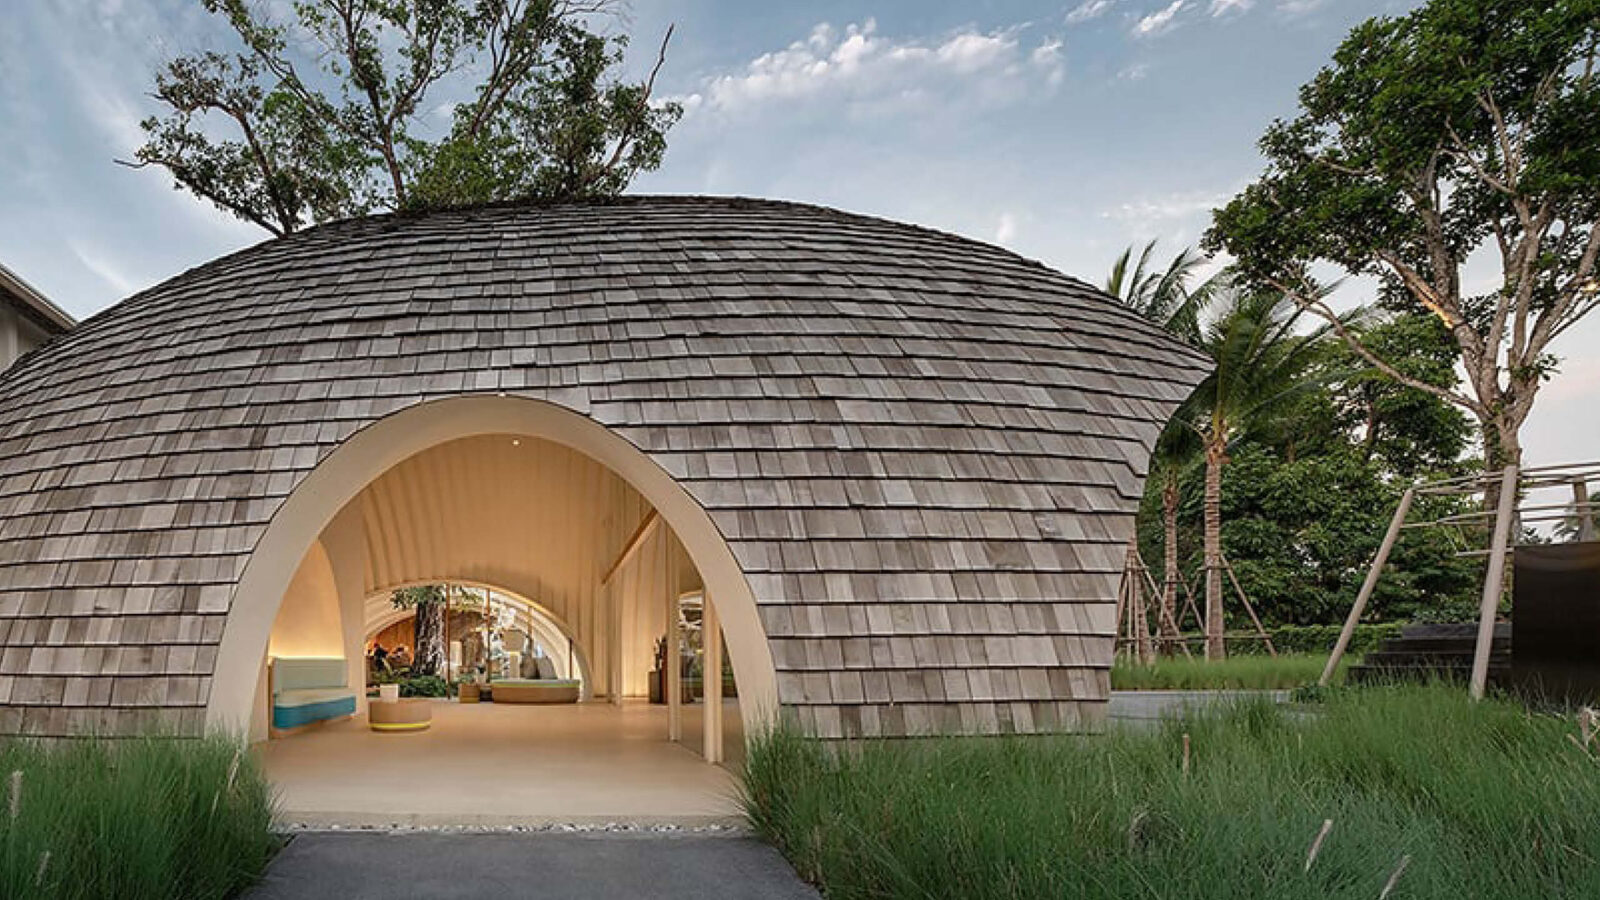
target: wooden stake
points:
(1493, 580)
(1395, 877)
(1316, 845)
(1367, 586)
(1262, 632)
(1186, 754)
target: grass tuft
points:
(135, 818)
(1442, 797)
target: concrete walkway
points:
(602, 866)
(492, 765)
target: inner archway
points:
(385, 510)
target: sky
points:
(1062, 131)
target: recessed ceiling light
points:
(516, 443)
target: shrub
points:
(424, 686)
(133, 818)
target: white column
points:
(674, 655)
(344, 540)
(614, 637)
(711, 677)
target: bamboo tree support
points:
(1138, 614)
(1260, 631)
(1188, 599)
(1494, 580)
(1118, 645)
(1367, 586)
(1162, 616)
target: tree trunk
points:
(1168, 620)
(429, 658)
(1502, 446)
(1216, 456)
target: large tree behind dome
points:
(333, 115)
(1466, 127)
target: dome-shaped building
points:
(901, 466)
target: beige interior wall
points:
(308, 622)
(535, 518)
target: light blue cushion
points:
(308, 711)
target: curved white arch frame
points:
(391, 616)
(381, 445)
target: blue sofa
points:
(308, 691)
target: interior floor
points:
(490, 764)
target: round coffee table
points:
(405, 714)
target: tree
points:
(1466, 125)
(429, 601)
(1166, 298)
(329, 115)
(1262, 369)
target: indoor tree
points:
(429, 603)
(1465, 128)
(328, 116)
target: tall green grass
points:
(1479, 800)
(1282, 672)
(131, 819)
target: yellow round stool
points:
(408, 714)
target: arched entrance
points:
(325, 519)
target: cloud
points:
(1089, 9)
(93, 259)
(1298, 7)
(1160, 20)
(1222, 7)
(858, 66)
(1007, 229)
(1168, 214)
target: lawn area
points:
(136, 818)
(1473, 800)
(1283, 672)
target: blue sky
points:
(1064, 131)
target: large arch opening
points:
(586, 536)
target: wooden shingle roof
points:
(924, 451)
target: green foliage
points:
(1254, 672)
(133, 818)
(1166, 297)
(1302, 533)
(329, 112)
(1464, 125)
(421, 595)
(1486, 800)
(424, 686)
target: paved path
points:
(599, 865)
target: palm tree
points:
(1166, 298)
(1262, 367)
